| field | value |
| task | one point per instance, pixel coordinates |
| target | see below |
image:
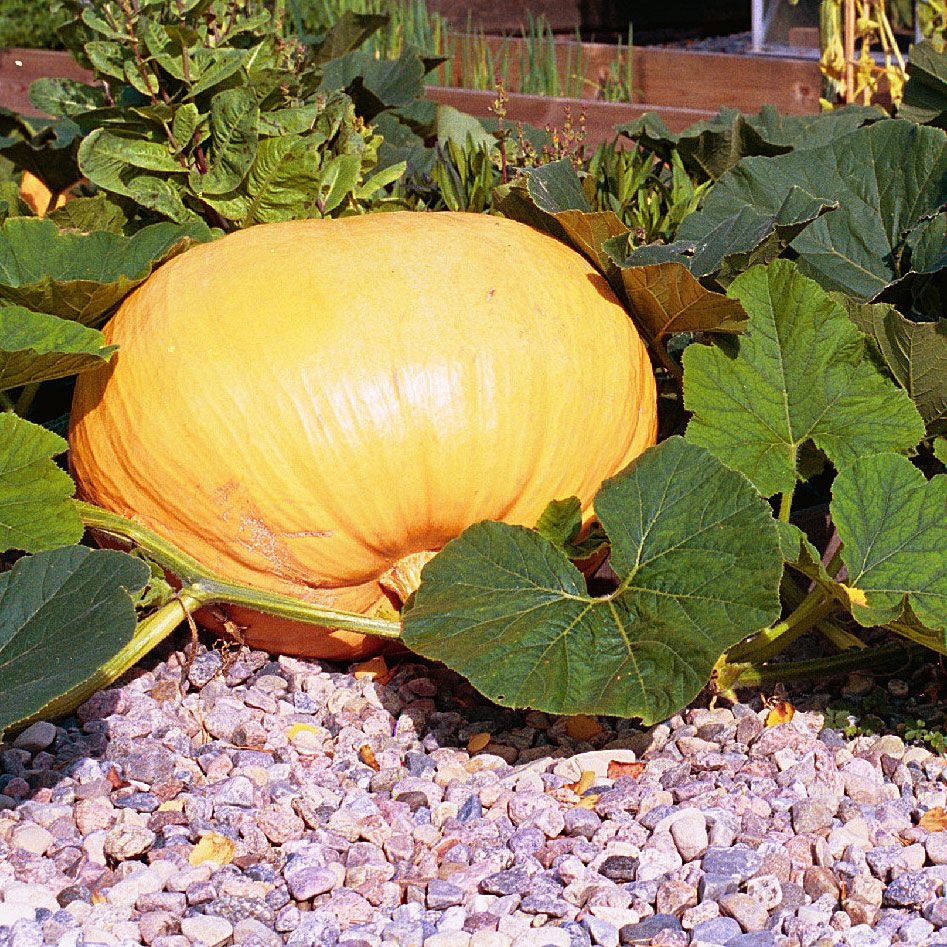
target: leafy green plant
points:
(206, 111)
(28, 23)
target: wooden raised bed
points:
(690, 79)
(682, 87)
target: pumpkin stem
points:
(404, 577)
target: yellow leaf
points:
(934, 820)
(856, 596)
(587, 802)
(478, 742)
(585, 780)
(213, 848)
(172, 805)
(780, 711)
(367, 755)
(98, 897)
(583, 727)
(373, 669)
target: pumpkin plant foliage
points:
(793, 309)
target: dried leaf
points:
(586, 780)
(213, 848)
(587, 802)
(583, 727)
(618, 768)
(367, 755)
(478, 742)
(374, 669)
(934, 820)
(171, 805)
(780, 711)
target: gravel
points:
(289, 802)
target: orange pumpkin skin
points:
(303, 407)
(37, 196)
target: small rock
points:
(912, 889)
(36, 737)
(719, 930)
(644, 932)
(601, 931)
(619, 868)
(740, 862)
(32, 838)
(689, 831)
(128, 841)
(442, 895)
(746, 911)
(818, 881)
(936, 846)
(308, 881)
(809, 816)
(207, 929)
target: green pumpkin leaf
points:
(914, 352)
(83, 276)
(925, 93)
(561, 524)
(63, 614)
(710, 148)
(802, 372)
(885, 178)
(35, 346)
(697, 556)
(940, 449)
(894, 540)
(36, 512)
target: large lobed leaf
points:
(914, 352)
(925, 93)
(35, 346)
(711, 147)
(886, 178)
(63, 614)
(36, 511)
(801, 372)
(698, 560)
(83, 276)
(893, 528)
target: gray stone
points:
(308, 881)
(718, 930)
(601, 931)
(913, 889)
(443, 894)
(740, 861)
(619, 868)
(753, 939)
(36, 737)
(511, 881)
(645, 931)
(713, 887)
(579, 821)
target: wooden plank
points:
(544, 111)
(19, 67)
(683, 77)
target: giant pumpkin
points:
(315, 408)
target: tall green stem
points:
(750, 676)
(769, 642)
(25, 401)
(208, 588)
